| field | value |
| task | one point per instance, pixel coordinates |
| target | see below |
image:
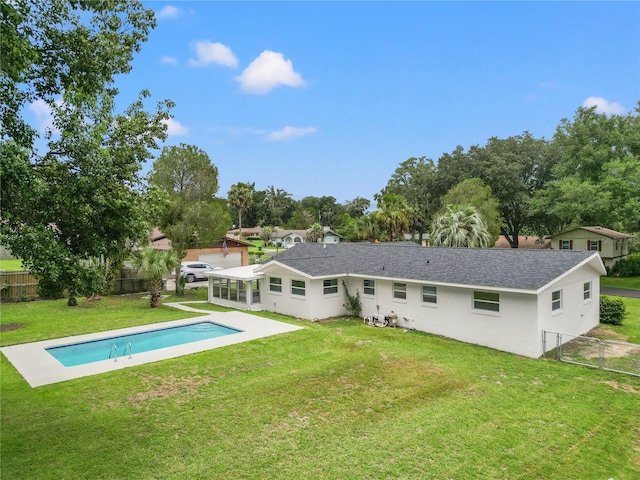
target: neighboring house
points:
(611, 245)
(499, 298)
(159, 240)
(286, 238)
(525, 241)
(225, 253)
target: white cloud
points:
(169, 12)
(217, 53)
(267, 72)
(169, 60)
(44, 116)
(603, 105)
(288, 133)
(175, 128)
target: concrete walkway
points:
(620, 292)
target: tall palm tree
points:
(394, 215)
(240, 196)
(154, 265)
(315, 233)
(460, 227)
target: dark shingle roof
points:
(489, 267)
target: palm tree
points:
(240, 196)
(460, 227)
(154, 265)
(367, 226)
(315, 233)
(394, 215)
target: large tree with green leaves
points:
(597, 178)
(193, 216)
(72, 193)
(414, 180)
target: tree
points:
(76, 196)
(414, 180)
(473, 192)
(368, 227)
(279, 206)
(193, 216)
(240, 196)
(357, 207)
(393, 216)
(265, 234)
(462, 227)
(315, 233)
(154, 265)
(597, 178)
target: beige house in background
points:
(611, 245)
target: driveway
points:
(171, 285)
(619, 292)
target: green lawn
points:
(632, 283)
(11, 265)
(333, 400)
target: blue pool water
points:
(97, 350)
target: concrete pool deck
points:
(38, 367)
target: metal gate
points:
(612, 355)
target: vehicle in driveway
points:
(193, 271)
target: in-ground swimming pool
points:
(113, 347)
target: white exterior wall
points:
(233, 259)
(577, 316)
(313, 305)
(513, 329)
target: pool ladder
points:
(114, 351)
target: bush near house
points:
(612, 310)
(627, 267)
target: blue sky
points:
(328, 98)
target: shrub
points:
(628, 267)
(353, 304)
(612, 310)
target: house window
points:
(566, 244)
(594, 245)
(400, 291)
(429, 294)
(556, 300)
(369, 287)
(275, 284)
(489, 301)
(330, 286)
(298, 287)
(586, 289)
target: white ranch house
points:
(499, 298)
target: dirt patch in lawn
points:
(9, 327)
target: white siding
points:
(513, 329)
(577, 316)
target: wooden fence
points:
(22, 286)
(18, 287)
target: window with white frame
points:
(369, 287)
(556, 300)
(400, 291)
(566, 244)
(594, 245)
(298, 287)
(489, 301)
(429, 294)
(275, 284)
(586, 290)
(330, 286)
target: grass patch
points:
(333, 400)
(632, 283)
(11, 265)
